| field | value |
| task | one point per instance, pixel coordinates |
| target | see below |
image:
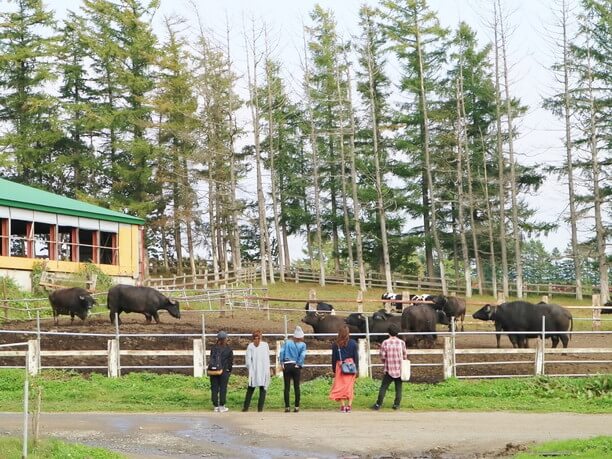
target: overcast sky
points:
(540, 139)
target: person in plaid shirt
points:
(392, 351)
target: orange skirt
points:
(342, 387)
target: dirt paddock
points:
(244, 322)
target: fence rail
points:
(449, 358)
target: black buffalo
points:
(322, 322)
(321, 306)
(452, 307)
(145, 300)
(73, 301)
(526, 319)
(379, 322)
(607, 309)
(422, 318)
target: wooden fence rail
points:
(449, 357)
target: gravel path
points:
(314, 434)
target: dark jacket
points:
(222, 355)
(348, 351)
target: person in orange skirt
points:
(344, 349)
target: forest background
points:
(395, 144)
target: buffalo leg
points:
(555, 341)
(148, 317)
(156, 317)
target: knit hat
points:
(298, 332)
(222, 335)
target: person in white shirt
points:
(257, 361)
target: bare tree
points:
(356, 204)
(516, 231)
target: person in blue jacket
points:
(292, 357)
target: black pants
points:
(384, 385)
(249, 395)
(218, 388)
(291, 372)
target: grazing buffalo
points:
(521, 316)
(322, 322)
(452, 307)
(145, 300)
(379, 322)
(322, 307)
(422, 318)
(74, 301)
(607, 309)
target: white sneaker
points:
(216, 410)
(223, 409)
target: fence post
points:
(222, 304)
(198, 358)
(278, 368)
(113, 358)
(501, 298)
(447, 358)
(297, 275)
(596, 299)
(405, 296)
(312, 299)
(550, 290)
(360, 301)
(364, 364)
(33, 357)
(4, 298)
(544, 298)
(539, 357)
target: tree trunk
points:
(461, 137)
(426, 154)
(347, 226)
(569, 154)
(501, 166)
(516, 231)
(378, 177)
(485, 186)
(356, 204)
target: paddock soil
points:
(425, 368)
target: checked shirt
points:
(392, 351)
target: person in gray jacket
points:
(257, 360)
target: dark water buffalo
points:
(323, 307)
(74, 301)
(379, 322)
(607, 309)
(322, 322)
(145, 300)
(452, 307)
(522, 316)
(422, 318)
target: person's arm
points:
(383, 351)
(281, 355)
(334, 356)
(356, 355)
(301, 355)
(404, 350)
(248, 358)
(231, 360)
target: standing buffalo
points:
(393, 296)
(607, 309)
(422, 318)
(73, 301)
(145, 300)
(323, 307)
(322, 322)
(379, 322)
(452, 307)
(521, 316)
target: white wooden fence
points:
(449, 357)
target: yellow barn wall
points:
(128, 257)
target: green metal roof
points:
(25, 197)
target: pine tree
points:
(27, 47)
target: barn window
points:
(21, 238)
(108, 248)
(42, 240)
(86, 249)
(66, 241)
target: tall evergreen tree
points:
(27, 47)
